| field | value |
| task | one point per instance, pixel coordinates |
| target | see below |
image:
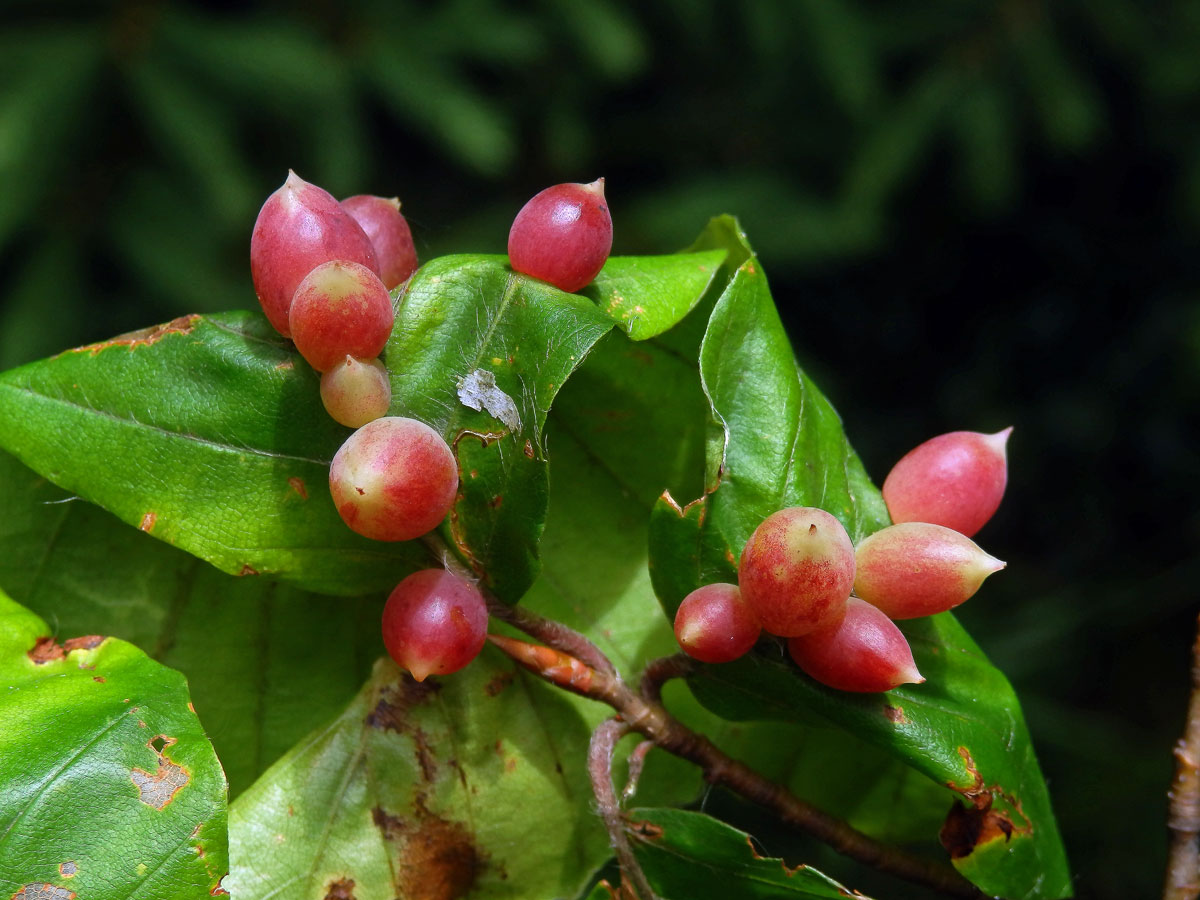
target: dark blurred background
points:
(973, 215)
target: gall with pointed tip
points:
(917, 569)
(434, 623)
(299, 227)
(956, 480)
(796, 570)
(861, 650)
(563, 235)
(388, 231)
(714, 625)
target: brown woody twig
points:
(651, 720)
(603, 745)
(659, 671)
(1183, 858)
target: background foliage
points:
(973, 216)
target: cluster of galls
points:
(802, 579)
(323, 271)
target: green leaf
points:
(694, 856)
(867, 786)
(209, 434)
(468, 323)
(674, 283)
(593, 577)
(471, 783)
(602, 890)
(776, 442)
(108, 785)
(265, 663)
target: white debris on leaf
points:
(478, 391)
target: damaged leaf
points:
(689, 854)
(430, 791)
(208, 434)
(106, 777)
(266, 663)
(775, 441)
(480, 353)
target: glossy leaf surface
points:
(109, 786)
(777, 442)
(265, 663)
(688, 854)
(207, 433)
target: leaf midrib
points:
(177, 435)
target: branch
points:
(651, 720)
(659, 671)
(554, 634)
(1183, 858)
(600, 759)
(637, 759)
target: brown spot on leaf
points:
(977, 823)
(218, 891)
(342, 889)
(143, 337)
(247, 569)
(286, 365)
(529, 448)
(297, 485)
(46, 649)
(41, 890)
(495, 502)
(436, 858)
(99, 678)
(498, 683)
(391, 714)
(148, 520)
(647, 830)
(159, 788)
(894, 714)
(395, 701)
(966, 827)
(425, 756)
(87, 642)
(68, 869)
